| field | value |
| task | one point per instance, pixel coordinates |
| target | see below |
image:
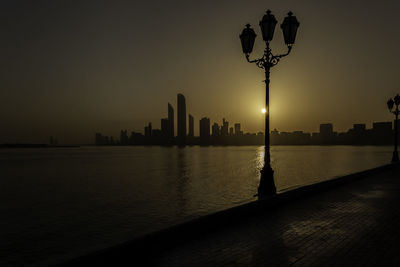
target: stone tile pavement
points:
(354, 224)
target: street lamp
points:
(390, 104)
(289, 28)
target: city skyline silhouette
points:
(213, 133)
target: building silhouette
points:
(326, 133)
(171, 128)
(156, 133)
(99, 139)
(191, 126)
(358, 135)
(224, 127)
(205, 127)
(237, 129)
(215, 131)
(181, 120)
(123, 138)
(104, 140)
(148, 130)
(165, 127)
(205, 131)
(136, 139)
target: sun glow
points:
(263, 110)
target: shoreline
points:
(37, 146)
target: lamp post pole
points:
(390, 104)
(268, 60)
(395, 157)
(267, 184)
(267, 157)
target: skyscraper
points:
(205, 127)
(165, 127)
(224, 127)
(181, 119)
(147, 130)
(237, 129)
(215, 129)
(191, 126)
(171, 129)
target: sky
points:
(72, 68)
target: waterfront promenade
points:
(350, 221)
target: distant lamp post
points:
(391, 103)
(289, 28)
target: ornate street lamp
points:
(390, 104)
(289, 28)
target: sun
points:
(263, 110)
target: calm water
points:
(67, 201)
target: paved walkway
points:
(356, 224)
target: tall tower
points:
(237, 129)
(224, 127)
(165, 127)
(205, 127)
(171, 130)
(191, 126)
(181, 120)
(147, 130)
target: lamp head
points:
(247, 39)
(390, 104)
(289, 28)
(397, 100)
(267, 25)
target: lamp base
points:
(267, 185)
(395, 157)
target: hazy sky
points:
(73, 68)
